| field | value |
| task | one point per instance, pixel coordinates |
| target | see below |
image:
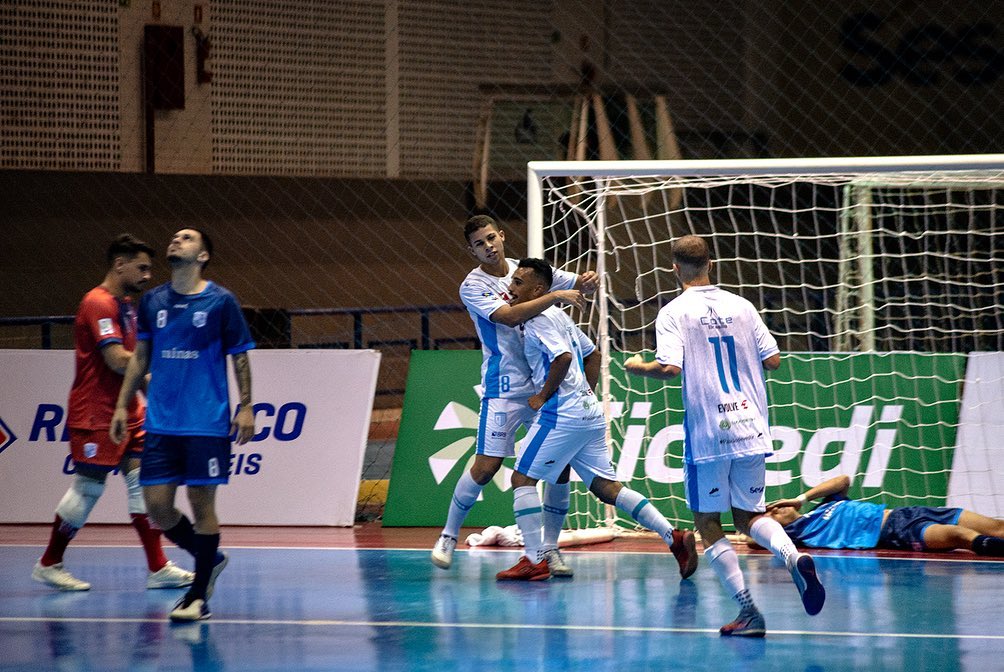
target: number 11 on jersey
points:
(730, 345)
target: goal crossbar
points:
(537, 170)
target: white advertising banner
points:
(312, 415)
(977, 480)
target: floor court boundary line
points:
(510, 549)
(505, 626)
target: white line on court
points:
(503, 626)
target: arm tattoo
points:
(242, 369)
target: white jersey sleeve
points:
(668, 339)
(765, 342)
(563, 279)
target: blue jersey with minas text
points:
(190, 336)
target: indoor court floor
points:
(368, 599)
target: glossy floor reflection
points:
(327, 609)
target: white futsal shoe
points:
(57, 577)
(556, 563)
(169, 576)
(442, 552)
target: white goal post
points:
(877, 274)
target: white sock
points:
(723, 559)
(770, 534)
(555, 507)
(464, 496)
(526, 507)
(635, 505)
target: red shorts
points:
(95, 447)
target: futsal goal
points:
(876, 275)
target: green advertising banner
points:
(886, 420)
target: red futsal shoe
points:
(524, 570)
(685, 549)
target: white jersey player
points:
(568, 430)
(504, 370)
(725, 343)
(505, 375)
(721, 345)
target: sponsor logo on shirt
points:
(733, 406)
(105, 326)
(174, 353)
(715, 322)
(199, 318)
(756, 490)
(739, 439)
(714, 492)
(735, 422)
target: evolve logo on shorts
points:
(6, 436)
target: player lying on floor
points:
(841, 522)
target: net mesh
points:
(876, 284)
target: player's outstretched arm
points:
(837, 485)
(512, 316)
(135, 371)
(243, 422)
(637, 366)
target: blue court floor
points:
(383, 609)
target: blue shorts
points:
(185, 460)
(904, 528)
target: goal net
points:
(877, 276)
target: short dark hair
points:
(478, 222)
(541, 268)
(207, 242)
(128, 246)
(691, 253)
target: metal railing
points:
(425, 340)
(45, 322)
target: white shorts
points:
(722, 485)
(497, 425)
(548, 450)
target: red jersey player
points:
(104, 336)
